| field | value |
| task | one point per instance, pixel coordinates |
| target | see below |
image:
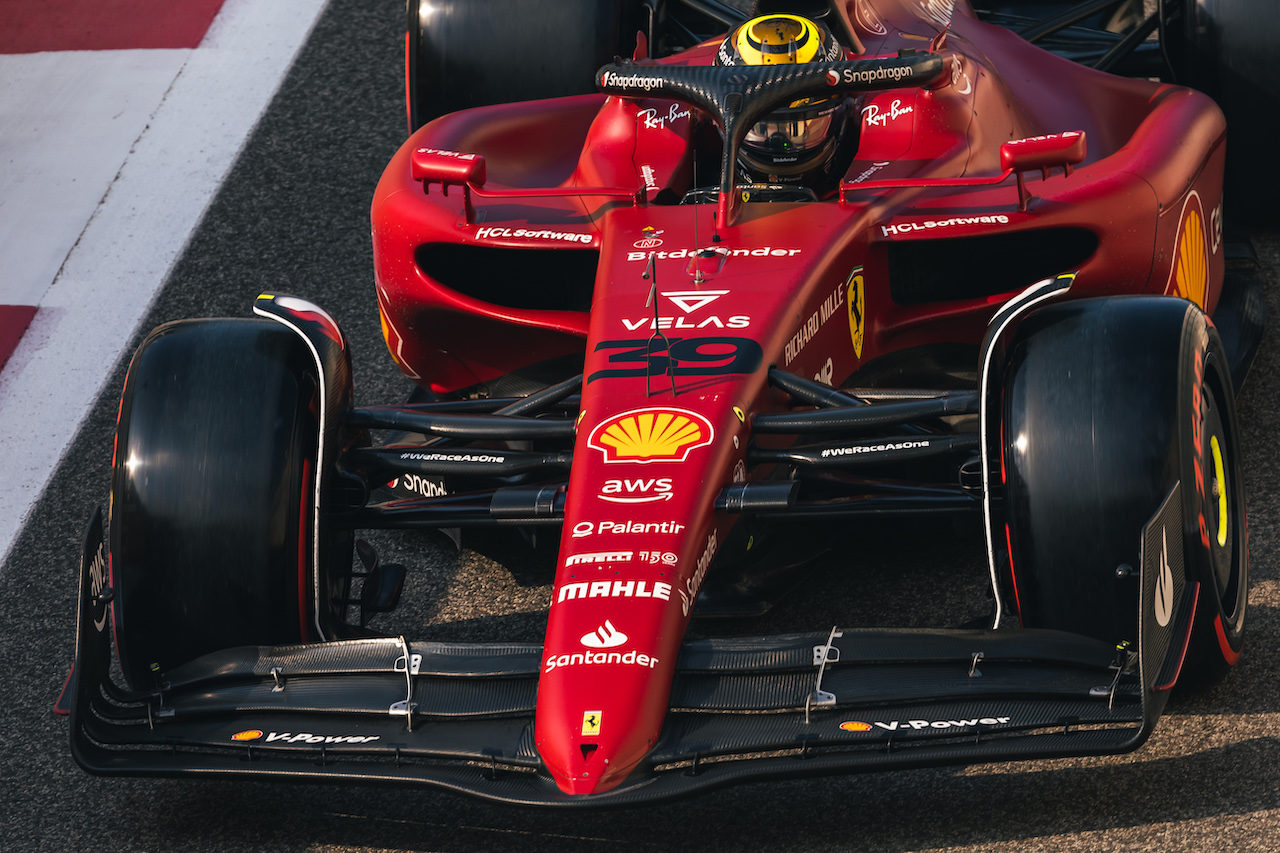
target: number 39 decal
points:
(711, 356)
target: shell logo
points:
(651, 435)
(249, 734)
(1191, 264)
(855, 726)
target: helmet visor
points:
(781, 134)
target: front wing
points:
(460, 716)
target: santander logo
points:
(604, 637)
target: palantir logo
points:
(604, 637)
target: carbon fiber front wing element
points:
(460, 716)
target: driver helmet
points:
(791, 142)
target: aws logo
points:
(651, 435)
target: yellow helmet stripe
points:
(778, 39)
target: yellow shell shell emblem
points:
(1192, 273)
(651, 435)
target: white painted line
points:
(117, 266)
(67, 123)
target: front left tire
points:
(212, 493)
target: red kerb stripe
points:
(14, 320)
(37, 25)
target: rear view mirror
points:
(430, 165)
(1042, 152)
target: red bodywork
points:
(802, 286)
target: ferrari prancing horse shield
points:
(856, 301)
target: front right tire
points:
(1107, 404)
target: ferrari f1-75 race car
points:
(689, 320)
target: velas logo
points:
(440, 152)
(691, 300)
(651, 435)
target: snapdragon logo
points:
(631, 81)
(423, 486)
(872, 75)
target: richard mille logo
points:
(1164, 583)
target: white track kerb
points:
(111, 276)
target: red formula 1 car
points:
(852, 261)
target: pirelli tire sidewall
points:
(1217, 519)
(212, 494)
(1097, 421)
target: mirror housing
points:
(1041, 152)
(431, 165)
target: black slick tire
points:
(1107, 404)
(471, 53)
(211, 495)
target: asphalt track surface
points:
(293, 217)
